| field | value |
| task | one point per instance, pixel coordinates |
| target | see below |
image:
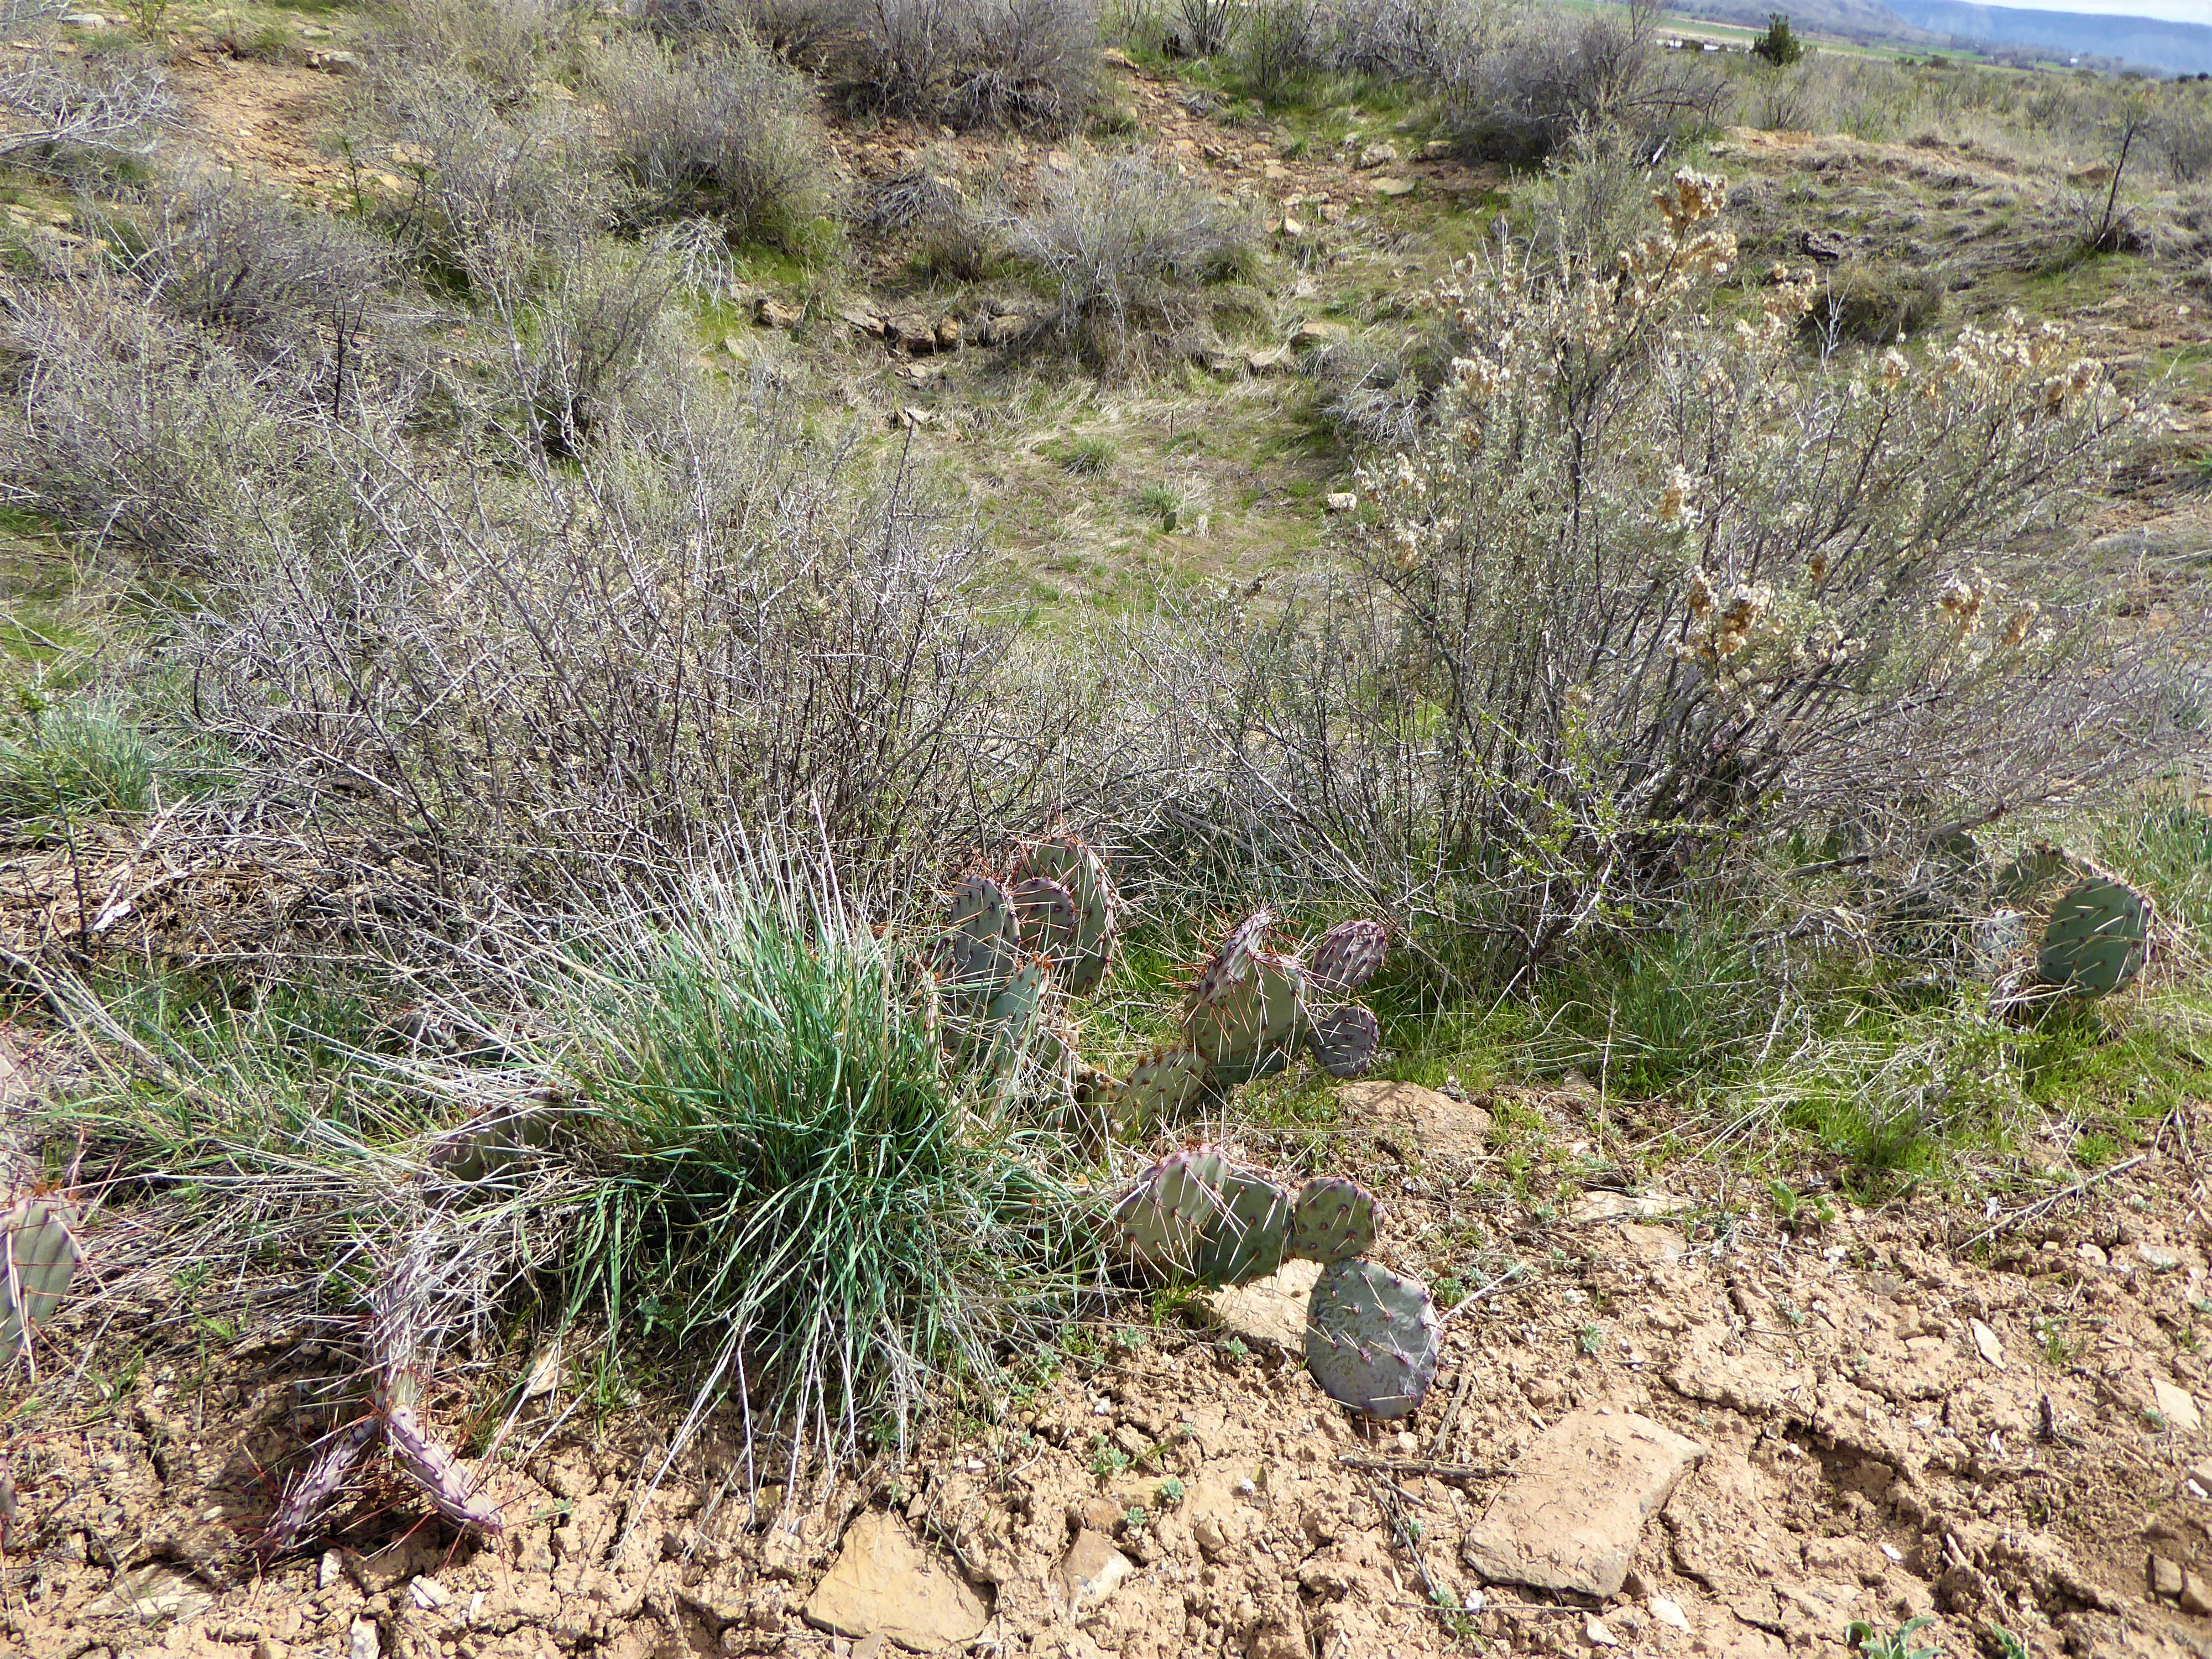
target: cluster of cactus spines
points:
(1343, 1039)
(1161, 1086)
(1333, 1221)
(1346, 957)
(1373, 1338)
(2098, 938)
(1247, 1239)
(40, 1235)
(323, 1480)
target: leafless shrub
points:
(278, 280)
(1559, 72)
(1024, 64)
(1204, 28)
(62, 114)
(2183, 134)
(533, 178)
(1125, 242)
(1428, 42)
(1874, 304)
(502, 45)
(796, 30)
(725, 131)
(1276, 44)
(951, 235)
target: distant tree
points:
(1778, 47)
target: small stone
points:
(2202, 1474)
(948, 334)
(1340, 500)
(1437, 150)
(1315, 332)
(913, 417)
(1379, 156)
(151, 1593)
(84, 20)
(1569, 1518)
(1434, 1124)
(883, 1580)
(428, 1593)
(2177, 1406)
(1391, 186)
(361, 1641)
(1275, 360)
(1667, 1611)
(2158, 1258)
(772, 313)
(1600, 1636)
(861, 319)
(1060, 161)
(1985, 1340)
(335, 62)
(1097, 1512)
(1288, 227)
(2165, 1576)
(2090, 1253)
(2196, 1594)
(1090, 1571)
(326, 1573)
(268, 1647)
(911, 332)
(1270, 1311)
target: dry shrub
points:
(724, 129)
(68, 115)
(1126, 245)
(1873, 304)
(502, 45)
(1559, 72)
(1021, 63)
(1427, 42)
(530, 176)
(952, 235)
(796, 30)
(1651, 585)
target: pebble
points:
(1669, 1610)
(361, 1642)
(428, 1593)
(327, 1573)
(1599, 1635)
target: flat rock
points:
(1985, 1340)
(1437, 1125)
(151, 1593)
(1569, 1518)
(2177, 1406)
(1090, 1570)
(883, 1580)
(1753, 1383)
(1391, 186)
(1270, 1310)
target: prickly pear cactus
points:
(1251, 1027)
(1045, 912)
(1247, 1237)
(1347, 958)
(981, 949)
(1372, 1338)
(1231, 963)
(1012, 1014)
(1163, 1217)
(41, 1243)
(1333, 1221)
(1162, 1085)
(2098, 938)
(1343, 1039)
(1077, 869)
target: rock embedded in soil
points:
(1090, 1571)
(2177, 1406)
(1436, 1125)
(883, 1581)
(2164, 1576)
(1270, 1310)
(1569, 1518)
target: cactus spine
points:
(2097, 941)
(1373, 1339)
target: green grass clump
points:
(796, 1180)
(60, 759)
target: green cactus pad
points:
(1012, 1014)
(1232, 965)
(1078, 868)
(1343, 1039)
(984, 943)
(1372, 1339)
(1247, 1235)
(1045, 911)
(1347, 958)
(1162, 1217)
(1251, 1030)
(42, 1254)
(2040, 867)
(1333, 1221)
(1161, 1086)
(2098, 939)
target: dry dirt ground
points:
(1992, 1418)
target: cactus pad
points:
(981, 947)
(1346, 957)
(1231, 963)
(1343, 1039)
(42, 1242)
(2098, 939)
(1045, 912)
(1333, 1221)
(1076, 867)
(1250, 1030)
(1013, 1012)
(1163, 1216)
(1246, 1236)
(1162, 1085)
(1372, 1338)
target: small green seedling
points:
(1896, 1644)
(1168, 1493)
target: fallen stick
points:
(2029, 1211)
(1421, 1466)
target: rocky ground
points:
(1665, 1423)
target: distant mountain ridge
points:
(2176, 48)
(1854, 19)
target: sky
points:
(2174, 11)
